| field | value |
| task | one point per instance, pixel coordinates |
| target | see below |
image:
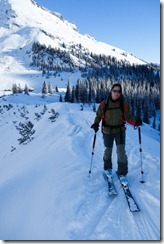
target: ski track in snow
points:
(65, 203)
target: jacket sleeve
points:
(99, 113)
(128, 114)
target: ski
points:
(111, 187)
(130, 199)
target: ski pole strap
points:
(94, 140)
(135, 127)
(139, 134)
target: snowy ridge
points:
(16, 16)
(25, 22)
(45, 191)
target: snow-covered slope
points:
(23, 22)
(45, 191)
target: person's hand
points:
(95, 126)
(138, 122)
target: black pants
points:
(122, 162)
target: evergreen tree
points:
(56, 89)
(68, 95)
(138, 109)
(26, 90)
(146, 113)
(77, 91)
(154, 122)
(20, 90)
(44, 89)
(73, 99)
(60, 98)
(50, 89)
(15, 88)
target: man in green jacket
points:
(114, 113)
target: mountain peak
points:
(28, 13)
(25, 22)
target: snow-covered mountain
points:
(45, 189)
(24, 22)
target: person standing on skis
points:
(114, 112)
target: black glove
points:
(95, 126)
(138, 122)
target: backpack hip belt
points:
(114, 126)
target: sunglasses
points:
(116, 91)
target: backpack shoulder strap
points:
(104, 105)
(122, 106)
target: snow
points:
(23, 23)
(45, 189)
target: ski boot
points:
(123, 180)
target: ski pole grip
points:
(94, 140)
(139, 134)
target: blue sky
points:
(132, 25)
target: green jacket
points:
(114, 118)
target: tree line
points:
(140, 83)
(53, 61)
(143, 97)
